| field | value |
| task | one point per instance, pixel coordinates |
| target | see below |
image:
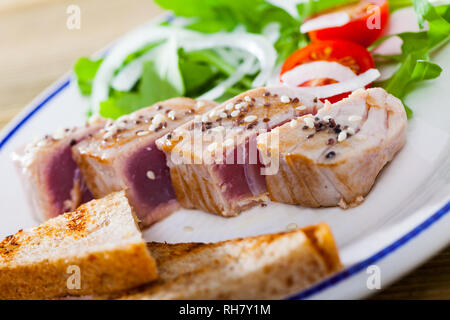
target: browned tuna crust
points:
(123, 156)
(336, 160)
(52, 180)
(223, 174)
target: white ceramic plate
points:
(404, 220)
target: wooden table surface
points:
(37, 48)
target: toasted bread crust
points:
(101, 273)
(263, 267)
(322, 239)
(100, 241)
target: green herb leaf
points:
(414, 61)
(425, 70)
(196, 76)
(225, 15)
(85, 70)
(151, 89)
(420, 7)
(398, 4)
(402, 78)
(311, 7)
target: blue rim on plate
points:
(315, 289)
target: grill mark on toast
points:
(326, 248)
(9, 247)
(77, 221)
(193, 263)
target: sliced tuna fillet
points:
(123, 155)
(50, 176)
(333, 159)
(213, 160)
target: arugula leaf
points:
(414, 64)
(213, 59)
(197, 76)
(225, 15)
(177, 73)
(398, 4)
(140, 52)
(414, 60)
(118, 104)
(420, 7)
(439, 28)
(311, 7)
(443, 11)
(290, 40)
(161, 79)
(425, 70)
(211, 16)
(151, 89)
(203, 69)
(85, 70)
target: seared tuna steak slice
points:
(52, 179)
(123, 155)
(213, 160)
(332, 159)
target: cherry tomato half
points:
(368, 19)
(347, 53)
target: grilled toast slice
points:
(99, 242)
(269, 266)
